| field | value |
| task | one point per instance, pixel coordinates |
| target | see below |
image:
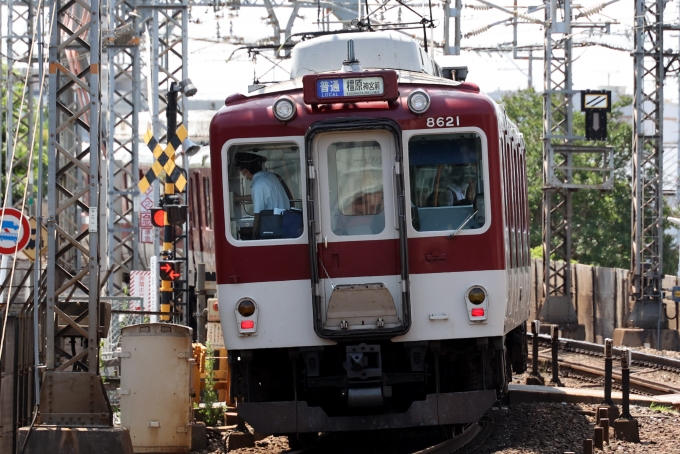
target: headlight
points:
(246, 308)
(284, 108)
(476, 295)
(418, 101)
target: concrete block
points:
(567, 330)
(81, 440)
(238, 440)
(559, 310)
(536, 380)
(230, 418)
(199, 436)
(627, 429)
(637, 337)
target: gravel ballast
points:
(537, 428)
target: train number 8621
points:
(442, 122)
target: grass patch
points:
(661, 408)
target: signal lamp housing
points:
(246, 312)
(284, 108)
(177, 214)
(418, 101)
(477, 304)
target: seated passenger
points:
(266, 191)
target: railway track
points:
(472, 436)
(578, 361)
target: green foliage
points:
(601, 220)
(662, 408)
(21, 151)
(210, 414)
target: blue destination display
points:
(360, 86)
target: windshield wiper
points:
(462, 225)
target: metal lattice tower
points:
(124, 106)
(557, 130)
(71, 391)
(19, 107)
(647, 229)
(563, 173)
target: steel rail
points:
(643, 384)
(469, 434)
(638, 357)
(472, 436)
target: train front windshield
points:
(447, 186)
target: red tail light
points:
(250, 324)
(477, 312)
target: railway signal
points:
(170, 270)
(176, 215)
(157, 216)
(596, 104)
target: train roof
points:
(374, 50)
(405, 77)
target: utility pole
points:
(124, 106)
(169, 42)
(71, 393)
(557, 129)
(647, 222)
(454, 13)
(559, 169)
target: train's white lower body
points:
(447, 369)
(438, 309)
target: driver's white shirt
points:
(268, 193)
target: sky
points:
(593, 66)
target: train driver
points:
(458, 187)
(266, 190)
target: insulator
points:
(590, 11)
(478, 7)
(478, 31)
(528, 18)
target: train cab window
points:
(447, 187)
(355, 181)
(265, 192)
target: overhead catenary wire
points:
(11, 166)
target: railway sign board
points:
(30, 248)
(15, 231)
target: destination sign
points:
(345, 87)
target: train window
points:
(274, 210)
(447, 186)
(355, 181)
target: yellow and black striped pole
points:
(175, 181)
(168, 248)
(167, 293)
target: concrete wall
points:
(601, 298)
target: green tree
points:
(21, 152)
(601, 220)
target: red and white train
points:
(401, 301)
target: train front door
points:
(358, 246)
